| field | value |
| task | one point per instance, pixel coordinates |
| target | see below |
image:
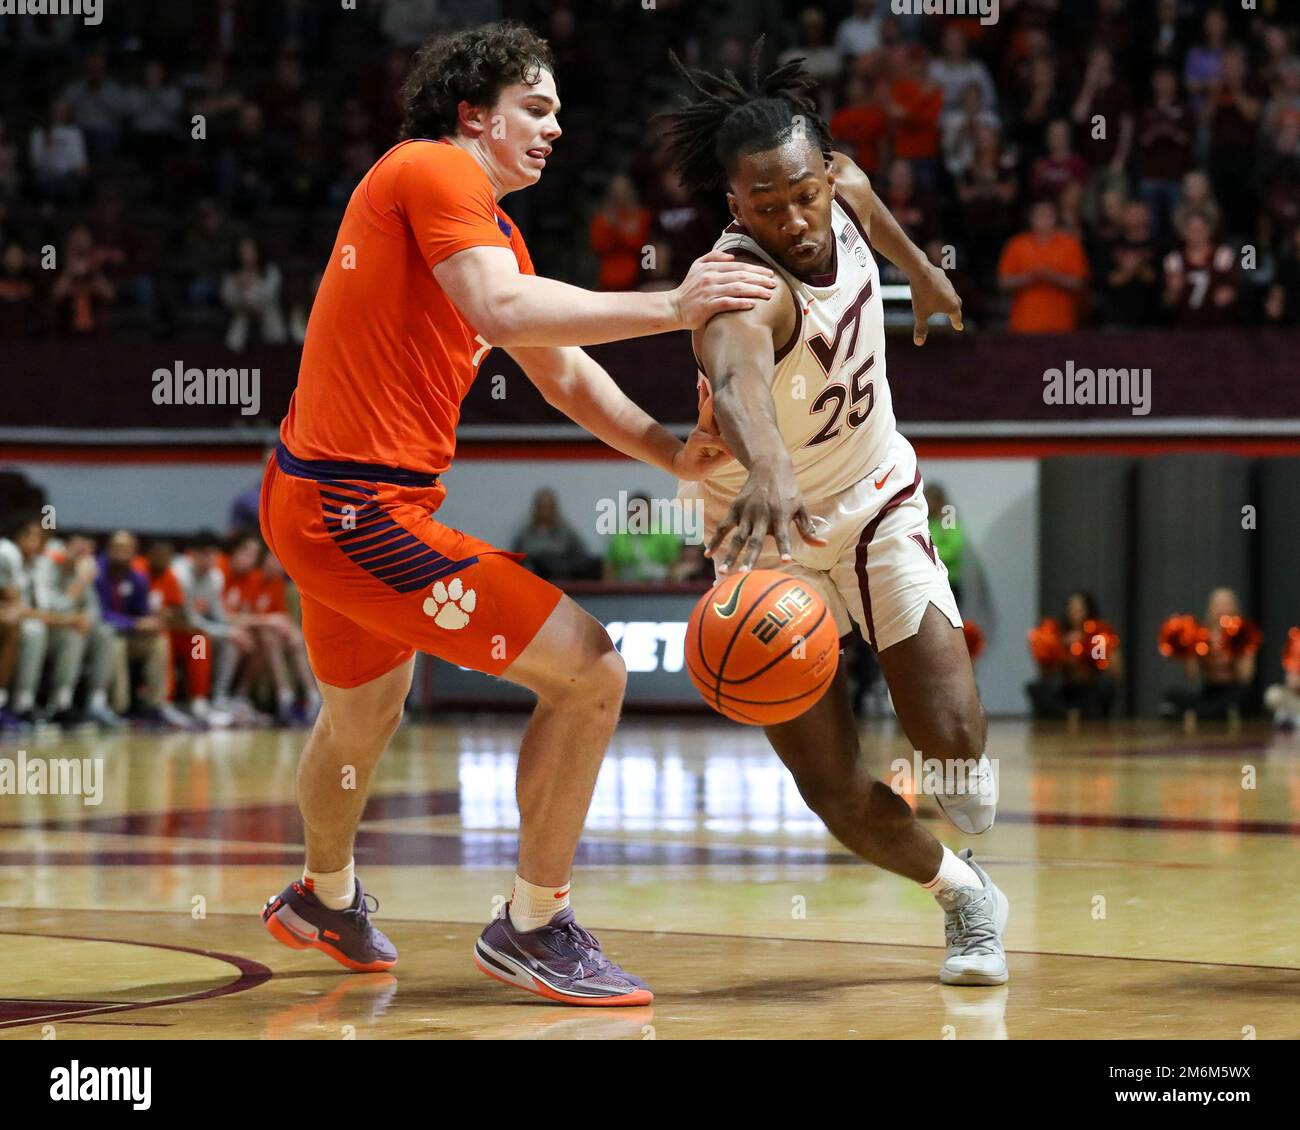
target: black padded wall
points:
(1189, 540)
(1277, 485)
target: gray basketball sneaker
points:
(973, 808)
(973, 925)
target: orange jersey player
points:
(428, 274)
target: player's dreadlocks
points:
(727, 119)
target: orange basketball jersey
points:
(388, 358)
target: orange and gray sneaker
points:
(560, 961)
(299, 920)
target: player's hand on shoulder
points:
(716, 283)
(933, 293)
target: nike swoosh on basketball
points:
(729, 608)
(881, 482)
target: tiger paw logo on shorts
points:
(450, 605)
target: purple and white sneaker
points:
(299, 920)
(560, 961)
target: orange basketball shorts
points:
(380, 578)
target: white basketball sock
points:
(532, 907)
(954, 874)
(335, 889)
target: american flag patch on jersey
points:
(849, 236)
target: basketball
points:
(761, 647)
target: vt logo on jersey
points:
(827, 352)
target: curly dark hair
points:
(471, 66)
(728, 118)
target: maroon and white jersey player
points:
(857, 473)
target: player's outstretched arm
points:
(932, 293)
(738, 357)
(508, 308)
(579, 386)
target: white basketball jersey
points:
(832, 399)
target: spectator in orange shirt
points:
(916, 103)
(620, 232)
(861, 126)
(167, 602)
(1046, 271)
(255, 599)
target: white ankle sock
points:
(954, 874)
(336, 889)
(532, 907)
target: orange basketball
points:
(762, 647)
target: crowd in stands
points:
(1074, 165)
(204, 636)
(1092, 163)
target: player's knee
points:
(360, 729)
(595, 672)
(603, 674)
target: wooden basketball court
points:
(1152, 895)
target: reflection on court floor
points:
(1151, 892)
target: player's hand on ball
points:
(717, 283)
(932, 293)
(768, 503)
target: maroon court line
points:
(251, 975)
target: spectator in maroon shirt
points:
(1103, 113)
(1059, 167)
(1231, 117)
(913, 210)
(1041, 102)
(988, 191)
(1201, 278)
(682, 228)
(1164, 147)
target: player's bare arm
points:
(932, 293)
(577, 385)
(509, 308)
(738, 354)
